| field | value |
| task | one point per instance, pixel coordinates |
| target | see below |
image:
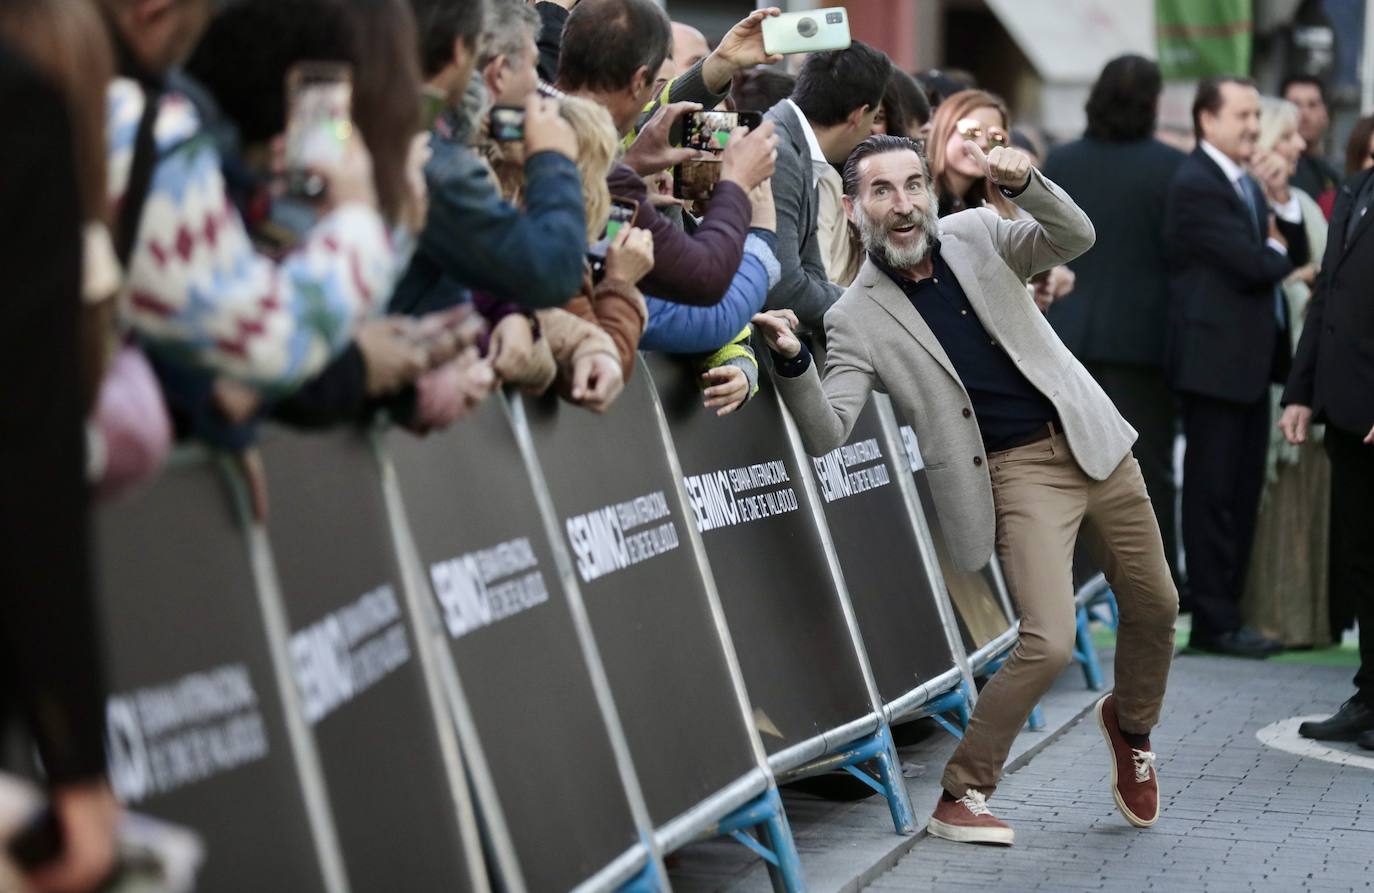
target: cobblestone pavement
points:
(1237, 815)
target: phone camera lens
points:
(807, 27)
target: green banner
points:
(1202, 38)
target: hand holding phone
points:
(545, 129)
(656, 147)
(812, 31)
(631, 255)
(711, 135)
(622, 215)
(319, 123)
(750, 158)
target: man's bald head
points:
(689, 46)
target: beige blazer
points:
(876, 339)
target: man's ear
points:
(640, 79)
(849, 209)
(494, 74)
(856, 117)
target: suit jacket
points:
(876, 339)
(1333, 368)
(1118, 311)
(1224, 341)
(804, 286)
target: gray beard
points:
(877, 240)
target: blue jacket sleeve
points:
(476, 238)
(682, 328)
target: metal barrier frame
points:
(274, 610)
(749, 801)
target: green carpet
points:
(1346, 654)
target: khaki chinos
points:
(1042, 499)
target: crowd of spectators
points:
(171, 276)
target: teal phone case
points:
(812, 31)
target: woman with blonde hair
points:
(1286, 588)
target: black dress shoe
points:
(1355, 720)
(1239, 643)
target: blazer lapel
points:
(966, 271)
(1353, 185)
(891, 298)
(1236, 201)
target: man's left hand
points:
(740, 48)
(1007, 168)
(651, 152)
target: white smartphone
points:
(812, 31)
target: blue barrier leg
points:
(786, 874)
(890, 771)
(1086, 654)
(777, 849)
(644, 882)
(955, 702)
(1036, 723)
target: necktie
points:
(1250, 190)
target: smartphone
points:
(319, 123)
(812, 31)
(707, 132)
(506, 124)
(623, 213)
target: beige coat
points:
(876, 339)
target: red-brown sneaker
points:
(968, 820)
(1134, 783)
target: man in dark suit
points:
(1231, 241)
(1116, 318)
(50, 669)
(1333, 382)
(830, 112)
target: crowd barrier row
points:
(538, 651)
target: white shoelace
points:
(1144, 761)
(976, 803)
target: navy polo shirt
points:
(1008, 407)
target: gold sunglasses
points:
(972, 129)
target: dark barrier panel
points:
(197, 727)
(619, 506)
(361, 683)
(475, 522)
(880, 553)
(978, 602)
(778, 591)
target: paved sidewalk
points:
(844, 845)
(1238, 815)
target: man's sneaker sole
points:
(965, 834)
(1131, 817)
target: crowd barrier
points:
(539, 651)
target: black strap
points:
(140, 178)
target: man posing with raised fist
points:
(1022, 446)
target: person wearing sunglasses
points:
(979, 117)
(982, 118)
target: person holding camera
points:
(473, 238)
